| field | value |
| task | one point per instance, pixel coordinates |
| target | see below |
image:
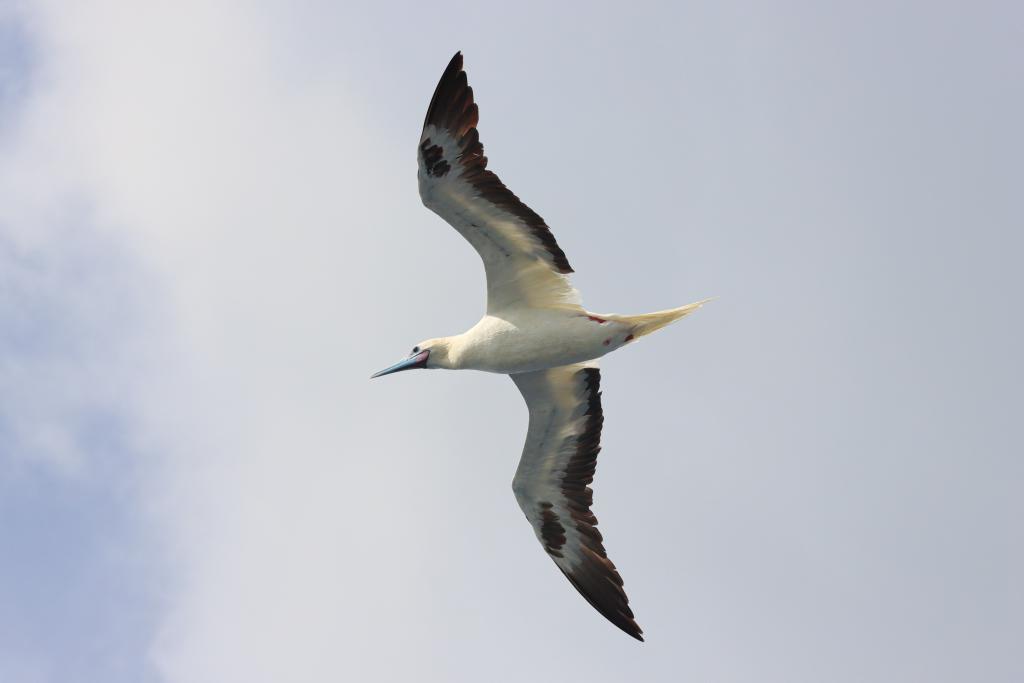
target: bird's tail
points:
(646, 323)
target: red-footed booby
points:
(536, 331)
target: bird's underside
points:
(526, 269)
(537, 339)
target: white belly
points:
(536, 339)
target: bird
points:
(535, 330)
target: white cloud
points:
(245, 201)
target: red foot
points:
(628, 339)
(597, 320)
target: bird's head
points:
(432, 353)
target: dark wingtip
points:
(634, 631)
(451, 72)
(616, 611)
(456, 63)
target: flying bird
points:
(536, 331)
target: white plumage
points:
(536, 331)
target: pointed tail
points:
(650, 322)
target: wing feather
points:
(552, 483)
(523, 262)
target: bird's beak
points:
(418, 360)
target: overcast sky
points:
(210, 236)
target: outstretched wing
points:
(524, 264)
(551, 483)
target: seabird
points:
(536, 331)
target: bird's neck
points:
(448, 352)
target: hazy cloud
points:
(210, 236)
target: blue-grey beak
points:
(418, 360)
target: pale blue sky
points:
(210, 236)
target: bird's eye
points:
(415, 350)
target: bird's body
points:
(535, 330)
(527, 339)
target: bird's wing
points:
(524, 264)
(551, 483)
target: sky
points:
(210, 237)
